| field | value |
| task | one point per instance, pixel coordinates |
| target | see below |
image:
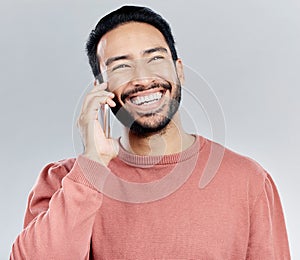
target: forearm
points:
(64, 230)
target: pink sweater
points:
(153, 208)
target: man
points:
(139, 197)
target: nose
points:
(142, 81)
(141, 76)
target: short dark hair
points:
(124, 15)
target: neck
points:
(172, 139)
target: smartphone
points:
(104, 115)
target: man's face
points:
(137, 63)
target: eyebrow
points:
(126, 57)
(157, 49)
(112, 59)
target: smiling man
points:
(147, 73)
(138, 196)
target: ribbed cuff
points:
(89, 173)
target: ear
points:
(180, 72)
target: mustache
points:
(166, 86)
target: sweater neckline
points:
(150, 160)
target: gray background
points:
(247, 50)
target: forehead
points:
(130, 39)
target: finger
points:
(98, 91)
(92, 104)
(97, 83)
(102, 86)
(102, 96)
(110, 102)
(98, 129)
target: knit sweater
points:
(204, 203)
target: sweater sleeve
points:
(268, 236)
(59, 216)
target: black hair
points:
(124, 15)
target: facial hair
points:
(148, 127)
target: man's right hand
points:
(96, 146)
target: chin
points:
(148, 128)
(141, 123)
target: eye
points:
(121, 66)
(155, 58)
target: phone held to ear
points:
(104, 116)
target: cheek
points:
(116, 83)
(166, 70)
(116, 90)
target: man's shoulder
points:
(244, 163)
(233, 171)
(57, 169)
(66, 163)
(238, 165)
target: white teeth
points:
(139, 100)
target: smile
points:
(146, 100)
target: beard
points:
(155, 122)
